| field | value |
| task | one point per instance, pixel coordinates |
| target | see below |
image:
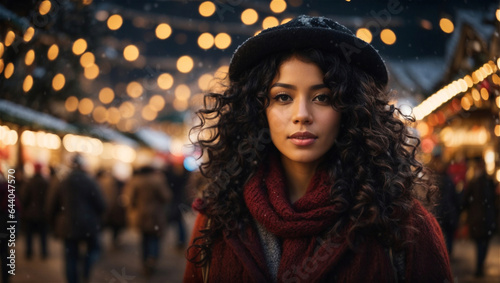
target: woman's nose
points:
(302, 111)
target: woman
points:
(313, 175)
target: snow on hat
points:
(309, 32)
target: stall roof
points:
(15, 113)
(154, 139)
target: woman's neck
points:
(298, 176)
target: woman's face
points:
(302, 121)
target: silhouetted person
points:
(479, 201)
(114, 216)
(77, 208)
(177, 178)
(447, 210)
(149, 194)
(33, 197)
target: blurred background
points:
(110, 87)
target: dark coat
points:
(77, 206)
(479, 201)
(33, 197)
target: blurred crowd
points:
(76, 206)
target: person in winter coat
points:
(479, 201)
(149, 194)
(76, 209)
(33, 197)
(312, 175)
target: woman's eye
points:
(282, 97)
(323, 98)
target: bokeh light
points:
(9, 38)
(71, 104)
(388, 36)
(28, 34)
(44, 7)
(9, 70)
(207, 8)
(157, 102)
(115, 22)
(149, 113)
(165, 81)
(106, 95)
(87, 59)
(277, 6)
(446, 25)
(249, 17)
(28, 83)
(134, 89)
(131, 52)
(185, 64)
(100, 114)
(113, 115)
(53, 52)
(85, 106)
(364, 34)
(163, 31)
(182, 92)
(127, 109)
(58, 82)
(30, 57)
(204, 81)
(222, 40)
(79, 46)
(206, 40)
(270, 22)
(91, 72)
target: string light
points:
(9, 38)
(28, 83)
(106, 95)
(131, 52)
(222, 40)
(87, 59)
(185, 64)
(30, 57)
(270, 22)
(165, 81)
(53, 52)
(446, 25)
(79, 46)
(85, 106)
(9, 70)
(44, 7)
(115, 22)
(388, 36)
(71, 104)
(206, 40)
(28, 34)
(364, 34)
(163, 31)
(207, 8)
(249, 17)
(277, 6)
(58, 82)
(134, 89)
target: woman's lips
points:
(303, 138)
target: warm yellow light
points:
(249, 16)
(85, 106)
(180, 105)
(163, 31)
(100, 114)
(277, 6)
(182, 92)
(44, 7)
(149, 113)
(28, 138)
(28, 83)
(131, 52)
(30, 57)
(466, 103)
(1, 65)
(71, 104)
(446, 25)
(204, 81)
(2, 49)
(207, 8)
(285, 20)
(221, 72)
(157, 102)
(388, 36)
(206, 40)
(475, 94)
(9, 70)
(106, 95)
(87, 2)
(498, 14)
(484, 94)
(497, 101)
(113, 115)
(58, 82)
(364, 34)
(53, 52)
(270, 22)
(498, 63)
(124, 153)
(79, 46)
(91, 72)
(497, 130)
(28, 34)
(134, 89)
(115, 22)
(185, 64)
(165, 81)
(9, 38)
(127, 109)
(87, 59)
(468, 80)
(222, 40)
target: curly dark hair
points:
(373, 160)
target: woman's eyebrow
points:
(289, 86)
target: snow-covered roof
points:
(109, 134)
(154, 139)
(420, 74)
(29, 116)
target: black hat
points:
(304, 32)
